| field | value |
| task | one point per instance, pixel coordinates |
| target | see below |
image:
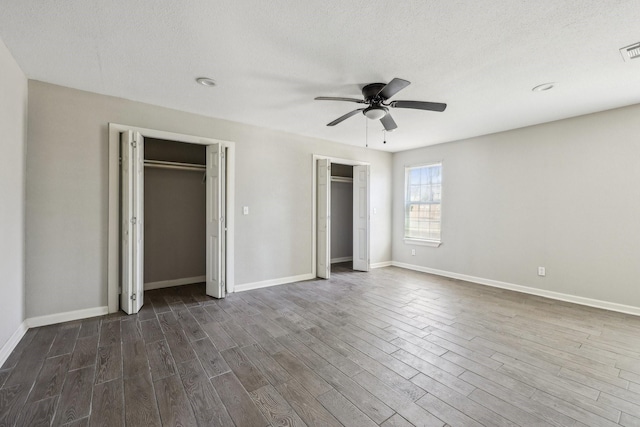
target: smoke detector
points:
(630, 52)
(544, 87)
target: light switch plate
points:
(245, 210)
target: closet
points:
(186, 219)
(341, 214)
(334, 215)
(174, 213)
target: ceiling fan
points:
(376, 96)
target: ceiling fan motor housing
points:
(371, 91)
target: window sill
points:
(419, 242)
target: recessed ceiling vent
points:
(630, 52)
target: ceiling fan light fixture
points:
(375, 112)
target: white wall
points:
(67, 194)
(13, 126)
(564, 195)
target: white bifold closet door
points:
(323, 264)
(132, 229)
(216, 222)
(361, 218)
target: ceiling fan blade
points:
(345, 117)
(393, 87)
(419, 105)
(338, 98)
(388, 123)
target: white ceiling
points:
(271, 58)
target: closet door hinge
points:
(134, 144)
(133, 297)
(134, 220)
(222, 154)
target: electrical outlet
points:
(542, 271)
(413, 252)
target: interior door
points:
(132, 228)
(323, 191)
(361, 218)
(215, 221)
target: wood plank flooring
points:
(390, 347)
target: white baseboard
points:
(13, 341)
(380, 264)
(50, 319)
(273, 282)
(342, 259)
(175, 282)
(68, 316)
(606, 305)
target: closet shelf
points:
(174, 165)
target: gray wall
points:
(564, 195)
(174, 224)
(13, 123)
(67, 194)
(341, 219)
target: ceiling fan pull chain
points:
(366, 133)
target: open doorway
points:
(341, 220)
(170, 214)
(174, 213)
(341, 217)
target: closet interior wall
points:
(174, 214)
(341, 213)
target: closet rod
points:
(174, 165)
(341, 179)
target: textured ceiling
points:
(271, 58)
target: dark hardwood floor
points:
(390, 347)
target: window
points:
(422, 212)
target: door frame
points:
(314, 201)
(113, 227)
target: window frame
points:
(406, 202)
